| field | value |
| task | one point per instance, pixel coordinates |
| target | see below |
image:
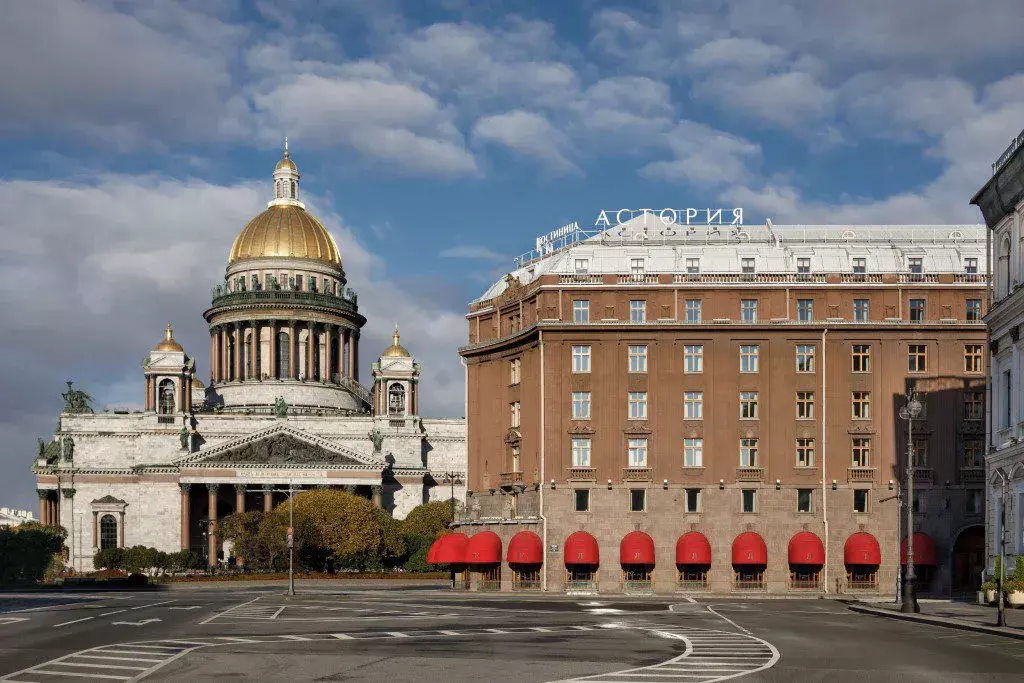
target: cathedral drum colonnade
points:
(284, 408)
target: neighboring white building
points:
(14, 517)
(1001, 201)
(284, 406)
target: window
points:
(920, 504)
(916, 310)
(918, 357)
(1007, 391)
(748, 452)
(804, 358)
(638, 452)
(860, 501)
(861, 356)
(637, 311)
(973, 502)
(581, 405)
(972, 358)
(638, 358)
(692, 265)
(582, 500)
(747, 264)
(693, 310)
(693, 500)
(805, 310)
(514, 370)
(920, 453)
(805, 405)
(693, 405)
(860, 265)
(693, 358)
(514, 410)
(581, 311)
(861, 405)
(581, 452)
(298, 283)
(974, 405)
(637, 500)
(973, 310)
(748, 405)
(861, 452)
(515, 459)
(581, 359)
(748, 310)
(749, 497)
(914, 264)
(861, 310)
(805, 452)
(803, 500)
(582, 265)
(636, 266)
(748, 358)
(971, 265)
(974, 450)
(638, 405)
(803, 264)
(167, 396)
(108, 532)
(396, 399)
(693, 452)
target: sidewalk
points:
(959, 615)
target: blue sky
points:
(436, 140)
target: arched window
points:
(284, 354)
(396, 400)
(294, 194)
(1004, 268)
(108, 532)
(166, 397)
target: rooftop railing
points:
(347, 300)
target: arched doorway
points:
(968, 559)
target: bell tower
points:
(396, 378)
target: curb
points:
(938, 621)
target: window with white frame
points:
(636, 266)
(917, 310)
(860, 265)
(805, 358)
(971, 265)
(748, 452)
(693, 452)
(805, 405)
(747, 264)
(638, 358)
(803, 264)
(581, 311)
(693, 358)
(514, 371)
(860, 452)
(581, 452)
(805, 452)
(692, 265)
(861, 310)
(581, 359)
(693, 310)
(915, 264)
(638, 452)
(748, 405)
(581, 405)
(749, 357)
(582, 265)
(693, 405)
(805, 310)
(637, 311)
(861, 405)
(514, 411)
(748, 310)
(973, 310)
(638, 405)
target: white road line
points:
(296, 638)
(397, 634)
(91, 665)
(117, 611)
(278, 612)
(76, 621)
(341, 636)
(81, 674)
(735, 625)
(121, 659)
(214, 616)
(153, 605)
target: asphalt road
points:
(416, 634)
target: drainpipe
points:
(824, 469)
(543, 519)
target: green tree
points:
(28, 552)
(430, 519)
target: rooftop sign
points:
(669, 217)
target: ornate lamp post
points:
(910, 412)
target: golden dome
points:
(286, 162)
(168, 344)
(396, 350)
(287, 231)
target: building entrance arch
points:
(968, 558)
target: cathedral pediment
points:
(279, 445)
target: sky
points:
(436, 140)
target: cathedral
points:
(284, 408)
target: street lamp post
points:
(290, 539)
(450, 478)
(1000, 610)
(909, 413)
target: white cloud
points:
(528, 134)
(704, 156)
(474, 252)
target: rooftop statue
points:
(76, 401)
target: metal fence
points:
(749, 581)
(805, 581)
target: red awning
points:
(450, 549)
(925, 553)
(693, 548)
(862, 548)
(525, 548)
(636, 548)
(432, 553)
(581, 548)
(749, 548)
(806, 548)
(483, 548)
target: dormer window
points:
(692, 266)
(915, 265)
(582, 265)
(971, 266)
(747, 264)
(636, 266)
(860, 265)
(803, 265)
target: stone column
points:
(239, 352)
(328, 366)
(213, 355)
(268, 501)
(310, 345)
(254, 350)
(376, 496)
(348, 347)
(222, 366)
(44, 506)
(239, 497)
(186, 517)
(120, 529)
(292, 348)
(211, 490)
(272, 350)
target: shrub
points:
(29, 552)
(430, 519)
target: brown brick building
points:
(742, 383)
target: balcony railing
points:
(972, 475)
(749, 474)
(860, 474)
(346, 302)
(924, 475)
(636, 474)
(581, 474)
(639, 279)
(511, 478)
(580, 279)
